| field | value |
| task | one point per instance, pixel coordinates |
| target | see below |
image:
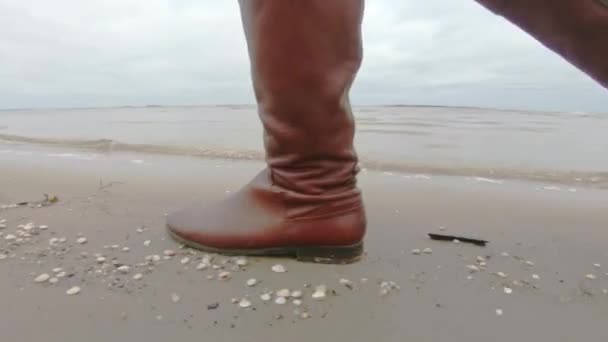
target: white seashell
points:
(53, 280)
(280, 300)
(185, 260)
(224, 275)
(473, 268)
(481, 259)
(283, 293)
(169, 252)
(482, 264)
(101, 260)
(63, 239)
(499, 312)
(535, 276)
(529, 263)
(73, 291)
(265, 297)
(57, 269)
(508, 290)
(597, 265)
(42, 278)
(202, 266)
(60, 274)
(278, 268)
(591, 276)
(3, 256)
(456, 241)
(500, 274)
(320, 292)
(43, 227)
(297, 302)
(242, 262)
(138, 276)
(115, 246)
(124, 269)
(81, 240)
(296, 294)
(244, 303)
(416, 251)
(175, 297)
(428, 251)
(10, 237)
(252, 282)
(147, 243)
(304, 315)
(126, 249)
(234, 300)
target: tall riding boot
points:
(575, 29)
(304, 57)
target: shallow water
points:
(568, 148)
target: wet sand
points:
(563, 233)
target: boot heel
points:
(330, 254)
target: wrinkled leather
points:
(575, 29)
(304, 57)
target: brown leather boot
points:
(304, 57)
(575, 29)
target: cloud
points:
(68, 53)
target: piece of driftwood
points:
(442, 237)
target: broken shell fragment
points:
(244, 303)
(278, 268)
(73, 291)
(169, 252)
(508, 290)
(427, 251)
(265, 297)
(591, 276)
(42, 278)
(224, 275)
(81, 240)
(185, 260)
(242, 262)
(473, 268)
(320, 292)
(296, 294)
(124, 269)
(138, 276)
(280, 300)
(501, 274)
(283, 293)
(175, 297)
(416, 251)
(252, 282)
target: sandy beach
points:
(543, 276)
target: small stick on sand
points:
(442, 237)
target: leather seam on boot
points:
(316, 217)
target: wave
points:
(593, 179)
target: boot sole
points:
(316, 254)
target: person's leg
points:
(304, 57)
(575, 29)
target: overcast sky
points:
(73, 53)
